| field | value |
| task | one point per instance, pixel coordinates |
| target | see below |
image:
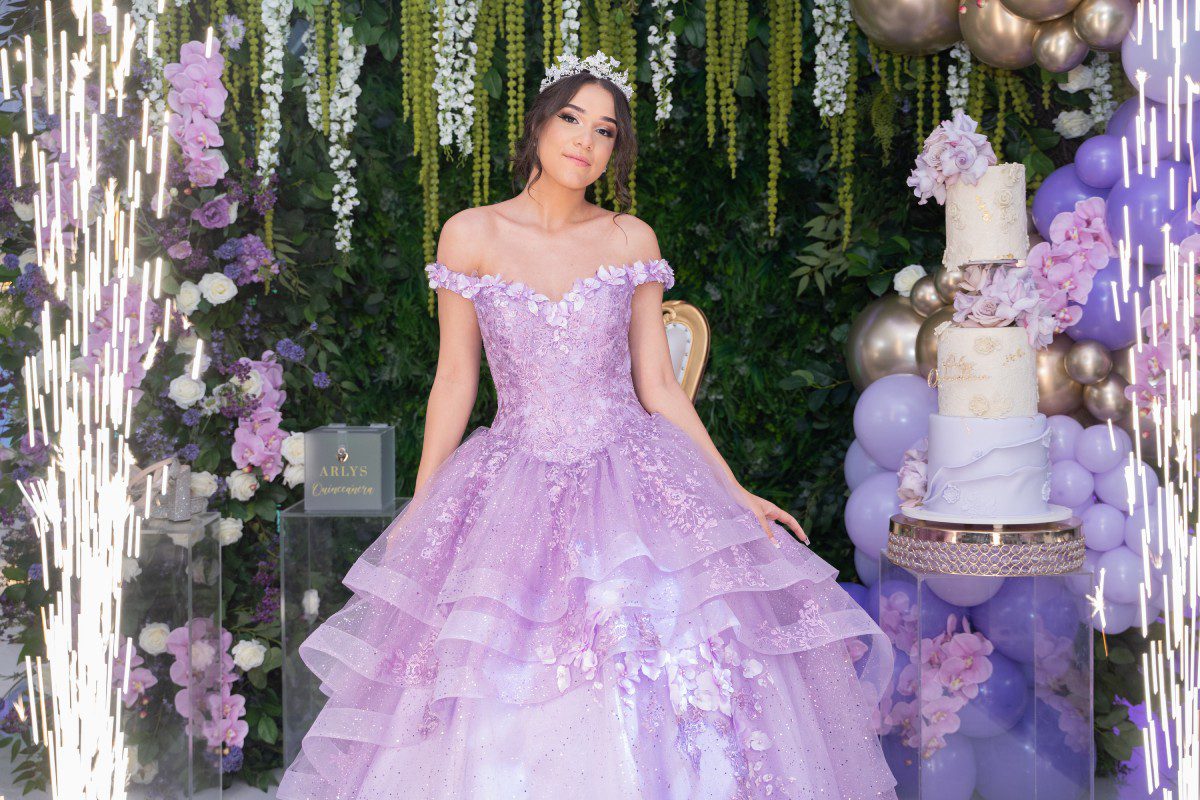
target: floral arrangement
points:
(953, 152)
(996, 297)
(942, 676)
(913, 475)
(1065, 266)
(958, 75)
(832, 22)
(454, 78)
(275, 23)
(661, 42)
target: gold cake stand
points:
(956, 548)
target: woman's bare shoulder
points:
(463, 238)
(640, 238)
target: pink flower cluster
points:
(1064, 267)
(1165, 345)
(258, 438)
(913, 475)
(204, 668)
(1062, 685)
(197, 99)
(942, 676)
(100, 334)
(953, 152)
(140, 678)
(999, 296)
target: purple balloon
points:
(1061, 190)
(1064, 431)
(933, 611)
(893, 413)
(857, 592)
(1084, 581)
(1084, 506)
(1112, 486)
(858, 465)
(1000, 703)
(1095, 451)
(963, 590)
(1118, 617)
(1105, 302)
(1032, 759)
(1151, 201)
(1141, 55)
(1122, 574)
(1138, 533)
(1098, 161)
(1120, 118)
(866, 567)
(1157, 142)
(951, 769)
(1103, 527)
(1181, 224)
(869, 512)
(1070, 483)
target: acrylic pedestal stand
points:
(992, 692)
(175, 580)
(316, 549)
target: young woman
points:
(581, 600)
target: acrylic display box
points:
(991, 697)
(171, 609)
(316, 549)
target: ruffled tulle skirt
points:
(615, 627)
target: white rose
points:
(293, 475)
(251, 385)
(905, 278)
(293, 448)
(242, 485)
(187, 299)
(1079, 79)
(249, 653)
(204, 484)
(217, 288)
(310, 603)
(24, 211)
(186, 391)
(1073, 124)
(153, 638)
(184, 539)
(130, 569)
(229, 530)
(187, 342)
(201, 655)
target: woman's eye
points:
(605, 131)
(566, 117)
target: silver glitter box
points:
(350, 467)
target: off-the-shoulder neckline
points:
(497, 279)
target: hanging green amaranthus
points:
(514, 34)
(725, 24)
(783, 70)
(481, 150)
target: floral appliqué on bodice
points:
(561, 368)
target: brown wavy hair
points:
(527, 167)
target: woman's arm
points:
(456, 380)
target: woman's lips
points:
(579, 161)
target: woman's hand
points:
(766, 511)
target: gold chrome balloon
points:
(882, 340)
(947, 281)
(998, 37)
(1106, 399)
(1088, 362)
(927, 340)
(1058, 392)
(912, 27)
(1057, 47)
(1041, 10)
(1103, 24)
(924, 296)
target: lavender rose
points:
(216, 213)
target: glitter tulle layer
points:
(615, 627)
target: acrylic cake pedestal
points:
(175, 580)
(1005, 717)
(316, 549)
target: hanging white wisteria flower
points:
(662, 57)
(832, 21)
(343, 108)
(275, 17)
(454, 77)
(312, 88)
(568, 28)
(958, 72)
(1100, 95)
(142, 12)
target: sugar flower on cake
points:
(953, 152)
(913, 475)
(996, 297)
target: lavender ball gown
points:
(577, 605)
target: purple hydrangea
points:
(232, 761)
(34, 572)
(321, 380)
(191, 417)
(190, 452)
(289, 350)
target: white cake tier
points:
(986, 372)
(986, 468)
(987, 221)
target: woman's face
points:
(576, 142)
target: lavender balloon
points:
(1103, 527)
(951, 769)
(1118, 617)
(1000, 703)
(1150, 200)
(1155, 136)
(1096, 450)
(1064, 431)
(858, 465)
(869, 511)
(1182, 225)
(866, 567)
(1141, 55)
(1070, 483)
(1084, 582)
(893, 413)
(1106, 303)
(1145, 527)
(1061, 190)
(1098, 161)
(1122, 569)
(963, 590)
(1120, 118)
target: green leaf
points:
(389, 45)
(878, 284)
(493, 83)
(268, 731)
(1120, 655)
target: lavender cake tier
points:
(981, 468)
